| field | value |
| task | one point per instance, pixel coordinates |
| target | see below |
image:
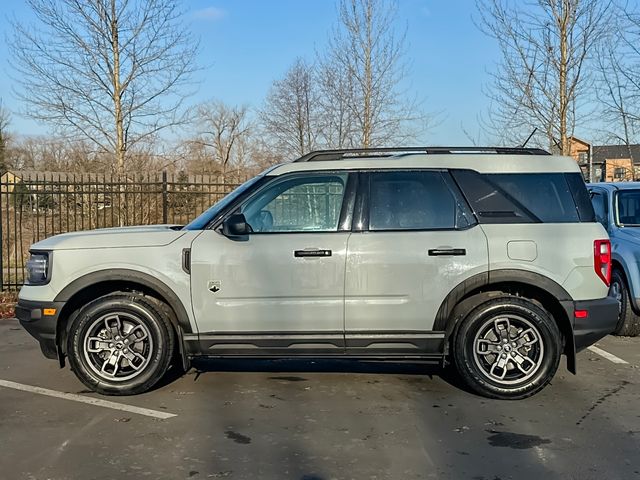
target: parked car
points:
(487, 258)
(617, 208)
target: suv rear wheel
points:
(507, 348)
(120, 344)
(628, 321)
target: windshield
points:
(628, 208)
(205, 217)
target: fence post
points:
(165, 198)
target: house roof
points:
(613, 152)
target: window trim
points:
(616, 208)
(345, 216)
(362, 214)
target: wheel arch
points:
(479, 288)
(96, 284)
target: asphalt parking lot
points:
(317, 421)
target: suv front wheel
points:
(507, 348)
(121, 343)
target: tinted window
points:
(413, 201)
(519, 198)
(546, 195)
(580, 196)
(600, 207)
(628, 208)
(306, 203)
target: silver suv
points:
(488, 259)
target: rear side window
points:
(525, 197)
(414, 200)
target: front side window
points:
(600, 207)
(413, 200)
(301, 203)
(628, 208)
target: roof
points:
(483, 163)
(613, 152)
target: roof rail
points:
(320, 155)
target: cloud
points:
(211, 14)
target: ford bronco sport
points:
(489, 259)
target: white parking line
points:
(88, 400)
(609, 356)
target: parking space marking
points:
(88, 400)
(609, 356)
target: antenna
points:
(529, 138)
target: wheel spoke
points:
(113, 325)
(527, 337)
(132, 356)
(136, 334)
(97, 345)
(501, 327)
(485, 346)
(112, 361)
(522, 360)
(501, 364)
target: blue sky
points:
(246, 44)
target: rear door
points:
(416, 240)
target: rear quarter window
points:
(526, 197)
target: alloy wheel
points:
(508, 349)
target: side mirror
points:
(236, 226)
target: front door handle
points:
(312, 252)
(442, 252)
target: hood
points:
(117, 237)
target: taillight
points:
(602, 260)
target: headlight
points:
(38, 267)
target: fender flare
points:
(484, 281)
(133, 276)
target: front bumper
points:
(40, 326)
(601, 320)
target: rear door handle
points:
(442, 252)
(312, 252)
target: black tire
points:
(538, 349)
(628, 322)
(142, 352)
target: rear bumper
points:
(40, 326)
(601, 320)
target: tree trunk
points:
(564, 94)
(121, 147)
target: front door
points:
(280, 287)
(420, 243)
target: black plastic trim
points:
(120, 274)
(486, 279)
(601, 320)
(360, 345)
(186, 260)
(39, 326)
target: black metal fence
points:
(36, 205)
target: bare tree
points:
(290, 111)
(367, 51)
(618, 89)
(5, 120)
(544, 76)
(222, 130)
(110, 71)
(336, 118)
